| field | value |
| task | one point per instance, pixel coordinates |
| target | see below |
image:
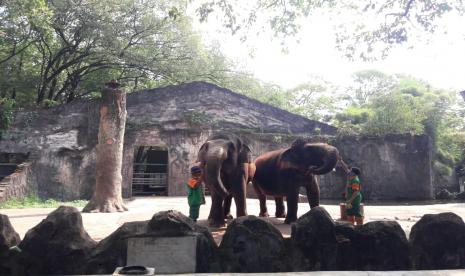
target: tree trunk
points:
(107, 195)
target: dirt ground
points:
(100, 225)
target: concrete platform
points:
(100, 225)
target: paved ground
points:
(101, 225)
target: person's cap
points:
(196, 169)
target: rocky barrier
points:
(60, 245)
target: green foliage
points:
(50, 103)
(368, 84)
(197, 118)
(33, 201)
(354, 115)
(6, 114)
(368, 29)
(63, 50)
(395, 114)
(442, 169)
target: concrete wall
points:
(394, 167)
(61, 142)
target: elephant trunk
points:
(329, 157)
(213, 165)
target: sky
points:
(440, 61)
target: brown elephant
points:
(281, 173)
(227, 164)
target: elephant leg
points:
(216, 217)
(280, 210)
(292, 200)
(313, 192)
(262, 199)
(239, 189)
(227, 207)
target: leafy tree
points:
(368, 28)
(395, 113)
(6, 114)
(369, 83)
(313, 100)
(66, 49)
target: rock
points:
(445, 194)
(8, 239)
(173, 223)
(314, 236)
(252, 245)
(377, 245)
(57, 245)
(438, 242)
(111, 252)
(8, 235)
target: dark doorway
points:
(9, 162)
(150, 171)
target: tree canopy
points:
(368, 29)
(59, 50)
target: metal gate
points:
(150, 171)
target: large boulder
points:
(314, 237)
(57, 245)
(252, 245)
(377, 245)
(111, 252)
(8, 235)
(438, 242)
(8, 239)
(174, 224)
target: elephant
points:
(227, 165)
(281, 173)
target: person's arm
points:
(344, 166)
(354, 194)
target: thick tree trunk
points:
(107, 194)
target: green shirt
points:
(194, 195)
(353, 184)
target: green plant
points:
(33, 201)
(197, 118)
(442, 169)
(50, 103)
(6, 114)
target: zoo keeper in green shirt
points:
(195, 193)
(353, 194)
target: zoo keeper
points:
(195, 193)
(353, 194)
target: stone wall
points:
(394, 167)
(62, 142)
(16, 184)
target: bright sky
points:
(440, 62)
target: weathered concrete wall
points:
(62, 139)
(182, 146)
(394, 167)
(16, 184)
(61, 142)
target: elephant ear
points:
(201, 156)
(288, 159)
(298, 144)
(294, 153)
(245, 155)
